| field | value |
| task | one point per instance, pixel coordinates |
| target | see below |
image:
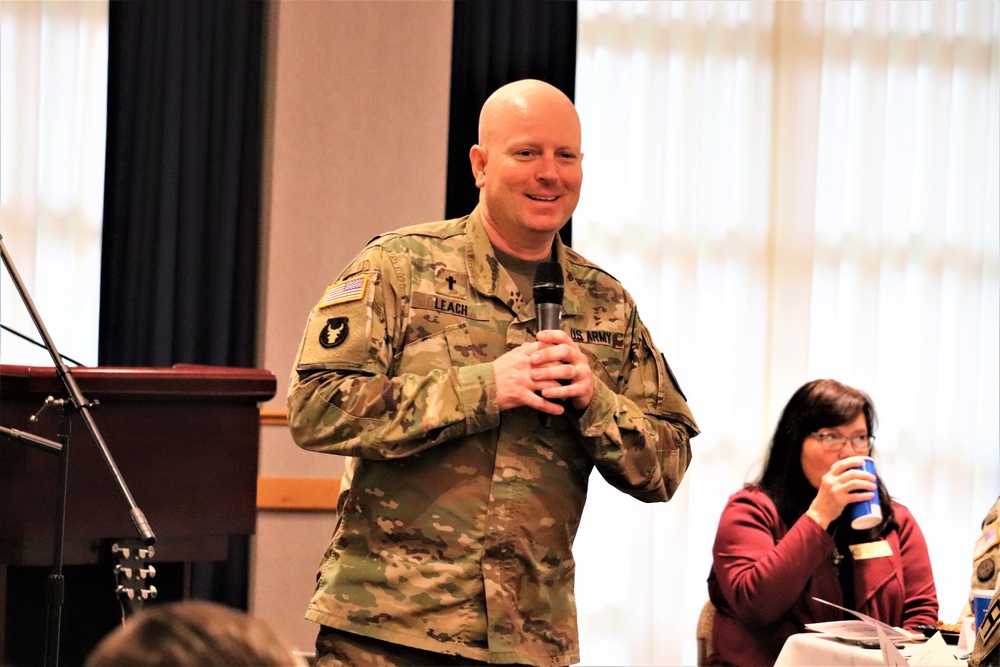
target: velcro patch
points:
(451, 284)
(986, 541)
(351, 289)
(612, 339)
(473, 311)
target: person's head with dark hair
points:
(191, 633)
(823, 422)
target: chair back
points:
(704, 632)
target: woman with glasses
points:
(786, 538)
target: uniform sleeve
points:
(343, 397)
(920, 603)
(639, 432)
(762, 580)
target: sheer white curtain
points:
(53, 100)
(793, 191)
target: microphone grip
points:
(548, 315)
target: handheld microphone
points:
(548, 293)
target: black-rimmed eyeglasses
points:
(834, 443)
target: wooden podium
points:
(185, 440)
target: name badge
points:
(880, 549)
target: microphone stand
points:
(29, 439)
(78, 404)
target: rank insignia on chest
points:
(451, 284)
(334, 333)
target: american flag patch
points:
(985, 543)
(344, 291)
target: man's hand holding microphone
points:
(546, 373)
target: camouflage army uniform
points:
(986, 551)
(455, 521)
(985, 563)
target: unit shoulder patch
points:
(334, 332)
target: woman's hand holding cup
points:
(846, 482)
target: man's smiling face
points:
(528, 167)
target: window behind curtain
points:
(793, 191)
(53, 95)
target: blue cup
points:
(981, 599)
(867, 513)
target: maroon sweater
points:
(765, 574)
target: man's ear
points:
(477, 156)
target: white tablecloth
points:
(817, 650)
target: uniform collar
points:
(488, 277)
(481, 261)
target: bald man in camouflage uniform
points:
(472, 436)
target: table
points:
(819, 650)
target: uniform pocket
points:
(451, 346)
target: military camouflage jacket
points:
(456, 522)
(985, 565)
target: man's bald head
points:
(520, 98)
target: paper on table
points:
(855, 632)
(867, 628)
(891, 657)
(935, 652)
(967, 637)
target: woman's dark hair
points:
(816, 405)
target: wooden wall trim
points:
(309, 494)
(297, 493)
(273, 417)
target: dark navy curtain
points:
(495, 42)
(182, 201)
(182, 183)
